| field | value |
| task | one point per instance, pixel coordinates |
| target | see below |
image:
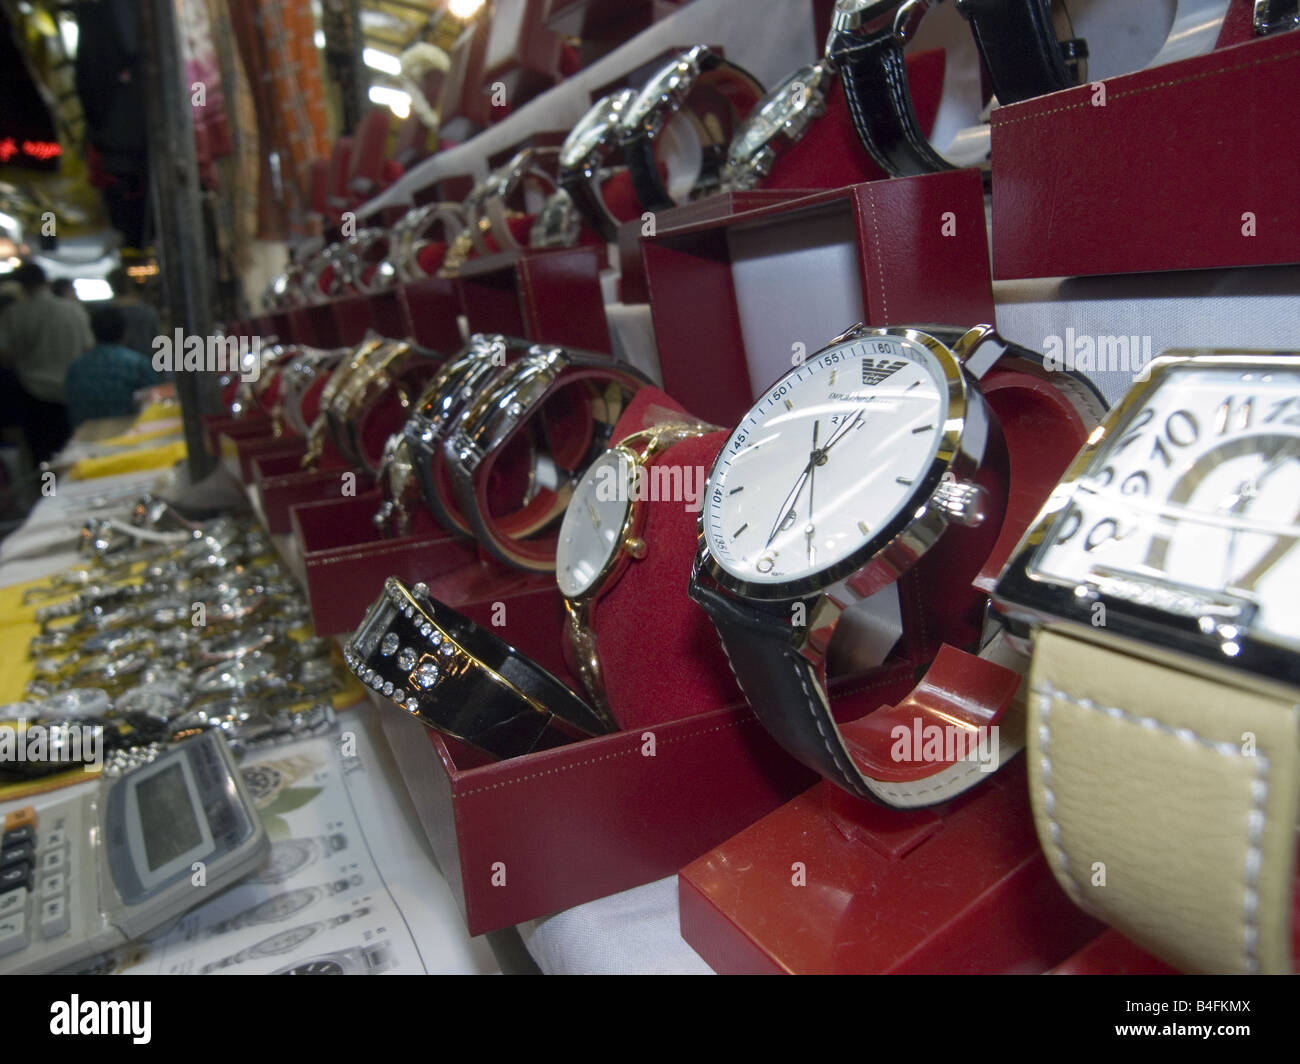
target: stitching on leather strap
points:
(1046, 693)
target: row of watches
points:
(196, 629)
(1141, 641)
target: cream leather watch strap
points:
(1167, 803)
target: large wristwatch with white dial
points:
(843, 475)
(1159, 584)
(601, 535)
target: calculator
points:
(101, 869)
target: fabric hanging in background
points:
(204, 85)
(276, 42)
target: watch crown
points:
(961, 501)
(636, 547)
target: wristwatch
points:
(558, 223)
(365, 261)
(460, 679)
(372, 959)
(530, 174)
(288, 857)
(586, 151)
(714, 94)
(322, 427)
(779, 121)
(841, 478)
(412, 236)
(1159, 584)
(1016, 41)
(303, 381)
(445, 398)
(601, 535)
(516, 452)
(1275, 16)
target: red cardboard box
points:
(280, 483)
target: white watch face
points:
(826, 461)
(593, 523)
(1194, 499)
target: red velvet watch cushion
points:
(658, 650)
(430, 256)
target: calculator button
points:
(55, 840)
(18, 836)
(15, 876)
(14, 901)
(54, 917)
(21, 854)
(55, 884)
(21, 818)
(53, 860)
(13, 933)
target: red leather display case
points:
(1185, 166)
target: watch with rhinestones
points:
(1159, 585)
(877, 450)
(601, 535)
(712, 94)
(322, 427)
(517, 450)
(461, 680)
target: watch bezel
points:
(915, 526)
(1032, 600)
(744, 171)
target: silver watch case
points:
(787, 111)
(919, 522)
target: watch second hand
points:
(817, 458)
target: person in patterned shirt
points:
(103, 381)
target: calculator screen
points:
(167, 817)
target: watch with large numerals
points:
(715, 95)
(518, 450)
(1159, 583)
(1016, 40)
(601, 535)
(843, 475)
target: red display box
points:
(831, 884)
(346, 561)
(522, 838)
(771, 285)
(548, 296)
(217, 425)
(390, 317)
(238, 452)
(434, 307)
(280, 483)
(632, 282)
(1186, 166)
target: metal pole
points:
(182, 250)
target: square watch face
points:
(1179, 521)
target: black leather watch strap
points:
(880, 102)
(780, 685)
(585, 193)
(1018, 44)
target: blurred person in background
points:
(142, 323)
(103, 381)
(63, 288)
(40, 337)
